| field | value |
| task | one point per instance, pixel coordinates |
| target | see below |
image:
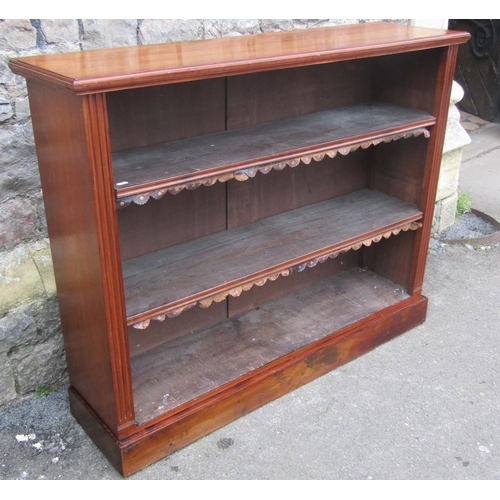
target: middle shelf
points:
(210, 268)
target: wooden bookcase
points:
(232, 218)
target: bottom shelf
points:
(176, 372)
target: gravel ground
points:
(468, 226)
(40, 439)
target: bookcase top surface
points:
(121, 68)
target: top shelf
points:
(187, 163)
(96, 71)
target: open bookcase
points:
(232, 218)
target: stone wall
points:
(31, 347)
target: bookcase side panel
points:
(409, 170)
(441, 105)
(71, 161)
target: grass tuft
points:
(464, 203)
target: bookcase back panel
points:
(408, 79)
(186, 323)
(171, 220)
(263, 97)
(392, 258)
(280, 191)
(256, 296)
(397, 168)
(193, 319)
(152, 115)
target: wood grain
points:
(284, 285)
(283, 190)
(161, 332)
(268, 96)
(400, 79)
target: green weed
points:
(43, 390)
(464, 203)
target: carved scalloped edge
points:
(236, 292)
(247, 173)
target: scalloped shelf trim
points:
(247, 173)
(236, 291)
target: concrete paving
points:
(424, 406)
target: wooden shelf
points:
(226, 263)
(170, 167)
(166, 377)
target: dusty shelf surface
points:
(195, 364)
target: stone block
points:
(6, 110)
(16, 328)
(449, 174)
(456, 138)
(39, 208)
(106, 33)
(20, 280)
(17, 35)
(8, 391)
(269, 25)
(31, 349)
(14, 85)
(169, 30)
(217, 28)
(18, 163)
(445, 213)
(22, 108)
(33, 365)
(42, 256)
(17, 222)
(62, 32)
